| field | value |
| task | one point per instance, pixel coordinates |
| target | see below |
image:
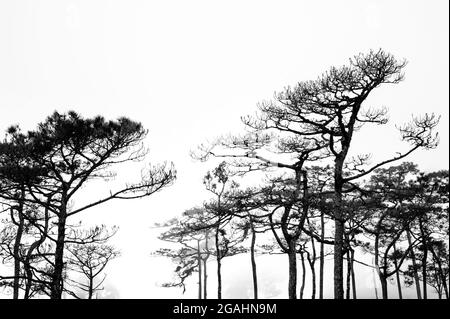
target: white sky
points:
(189, 69)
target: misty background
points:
(188, 70)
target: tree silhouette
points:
(328, 111)
(70, 151)
(89, 255)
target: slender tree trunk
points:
(399, 286)
(199, 261)
(374, 281)
(219, 266)
(424, 275)
(424, 259)
(348, 277)
(397, 274)
(437, 279)
(205, 280)
(33, 247)
(444, 282)
(384, 289)
(338, 262)
(414, 263)
(91, 284)
(383, 279)
(219, 279)
(338, 232)
(313, 268)
(292, 284)
(352, 263)
(253, 260)
(27, 267)
(28, 282)
(322, 254)
(205, 272)
(313, 274)
(338, 259)
(16, 249)
(313, 294)
(302, 287)
(57, 278)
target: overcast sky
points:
(188, 70)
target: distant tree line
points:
(314, 199)
(41, 174)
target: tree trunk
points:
(253, 260)
(292, 285)
(348, 277)
(424, 259)
(383, 279)
(413, 259)
(338, 262)
(397, 274)
(352, 257)
(219, 266)
(27, 267)
(199, 261)
(219, 279)
(384, 289)
(28, 282)
(313, 274)
(444, 283)
(424, 274)
(302, 287)
(313, 269)
(205, 273)
(16, 249)
(205, 280)
(399, 286)
(374, 280)
(322, 254)
(57, 278)
(91, 284)
(338, 235)
(33, 247)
